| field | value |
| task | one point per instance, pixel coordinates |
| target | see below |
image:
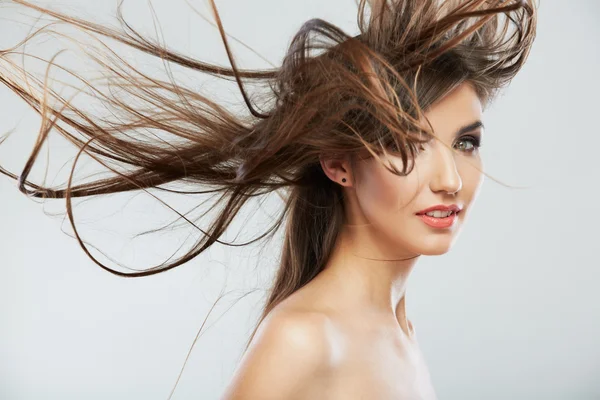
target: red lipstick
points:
(444, 222)
(442, 207)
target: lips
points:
(442, 207)
(441, 223)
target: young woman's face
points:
(389, 204)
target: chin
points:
(436, 246)
(432, 246)
(435, 250)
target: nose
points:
(446, 177)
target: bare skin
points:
(345, 335)
(371, 356)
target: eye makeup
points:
(474, 139)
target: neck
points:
(368, 276)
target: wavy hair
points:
(334, 94)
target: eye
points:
(468, 144)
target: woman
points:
(374, 139)
(345, 333)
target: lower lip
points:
(439, 222)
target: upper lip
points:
(442, 207)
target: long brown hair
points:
(334, 94)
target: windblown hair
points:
(334, 94)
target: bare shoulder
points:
(290, 351)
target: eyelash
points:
(473, 139)
(476, 141)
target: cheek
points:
(472, 177)
(383, 196)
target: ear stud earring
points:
(344, 180)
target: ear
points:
(337, 169)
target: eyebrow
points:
(470, 127)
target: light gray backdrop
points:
(512, 312)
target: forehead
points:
(460, 107)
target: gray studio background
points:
(512, 312)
